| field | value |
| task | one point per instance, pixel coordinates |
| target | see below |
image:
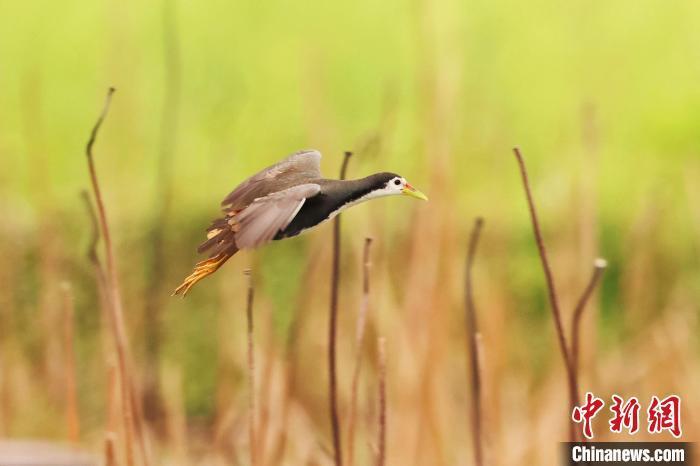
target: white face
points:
(399, 185)
(395, 185)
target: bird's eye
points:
(397, 182)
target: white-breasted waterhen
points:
(284, 200)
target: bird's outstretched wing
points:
(266, 216)
(296, 169)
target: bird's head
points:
(390, 183)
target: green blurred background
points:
(602, 97)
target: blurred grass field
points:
(603, 99)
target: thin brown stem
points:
(251, 371)
(473, 337)
(101, 280)
(95, 235)
(111, 283)
(359, 340)
(381, 441)
(107, 305)
(332, 331)
(599, 266)
(553, 298)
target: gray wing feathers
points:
(307, 162)
(266, 216)
(295, 169)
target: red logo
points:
(625, 415)
(665, 415)
(587, 412)
(662, 415)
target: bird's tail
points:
(202, 270)
(222, 246)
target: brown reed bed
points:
(517, 396)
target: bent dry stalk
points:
(107, 278)
(570, 360)
(599, 266)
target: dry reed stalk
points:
(104, 303)
(553, 298)
(381, 441)
(570, 361)
(72, 416)
(251, 371)
(599, 266)
(91, 254)
(332, 330)
(108, 278)
(474, 347)
(359, 340)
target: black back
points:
(333, 196)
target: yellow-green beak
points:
(413, 192)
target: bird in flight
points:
(282, 201)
